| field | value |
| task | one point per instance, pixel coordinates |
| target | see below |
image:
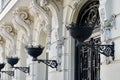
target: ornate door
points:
(87, 60)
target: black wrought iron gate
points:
(88, 62)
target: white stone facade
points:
(34, 22)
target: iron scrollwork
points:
(36, 51)
(87, 57)
(23, 69)
(10, 73)
(51, 63)
(90, 15)
(107, 50)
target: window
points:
(87, 60)
(3, 4)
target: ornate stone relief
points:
(107, 21)
(8, 33)
(43, 2)
(41, 20)
(22, 20)
(74, 4)
(1, 40)
(2, 54)
(56, 23)
(50, 23)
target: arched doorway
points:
(87, 61)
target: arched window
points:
(87, 61)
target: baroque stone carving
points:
(2, 49)
(74, 4)
(107, 20)
(41, 20)
(43, 2)
(56, 21)
(40, 11)
(8, 33)
(22, 20)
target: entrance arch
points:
(87, 61)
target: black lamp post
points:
(14, 60)
(82, 32)
(36, 51)
(10, 73)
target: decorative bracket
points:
(51, 63)
(10, 73)
(23, 69)
(107, 50)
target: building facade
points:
(43, 22)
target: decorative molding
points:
(40, 11)
(109, 23)
(107, 19)
(8, 33)
(74, 4)
(1, 40)
(2, 49)
(22, 19)
(43, 2)
(56, 22)
(41, 21)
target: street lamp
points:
(35, 51)
(10, 73)
(14, 60)
(82, 32)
